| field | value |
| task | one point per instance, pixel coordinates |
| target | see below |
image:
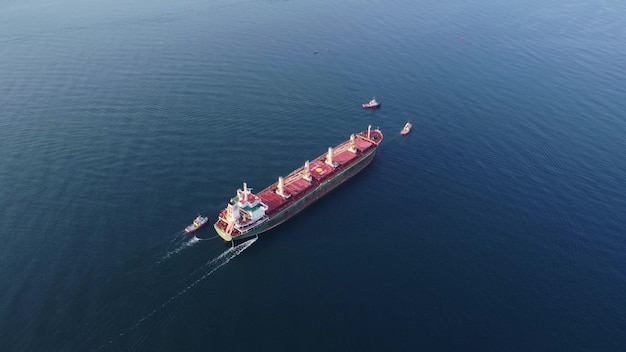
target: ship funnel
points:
(245, 192)
(352, 147)
(329, 156)
(281, 187)
(369, 129)
(307, 171)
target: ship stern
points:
(223, 234)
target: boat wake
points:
(175, 236)
(213, 264)
(188, 243)
(163, 240)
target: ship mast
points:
(245, 192)
(352, 147)
(307, 171)
(329, 157)
(280, 189)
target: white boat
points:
(197, 223)
(406, 129)
(373, 104)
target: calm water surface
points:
(497, 224)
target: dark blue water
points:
(497, 224)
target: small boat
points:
(197, 223)
(406, 129)
(373, 104)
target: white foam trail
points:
(216, 263)
(176, 236)
(187, 244)
(212, 261)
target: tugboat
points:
(373, 104)
(406, 129)
(197, 223)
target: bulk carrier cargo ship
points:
(249, 214)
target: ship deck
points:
(295, 184)
(300, 182)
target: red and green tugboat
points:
(197, 223)
(249, 214)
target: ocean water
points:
(498, 224)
